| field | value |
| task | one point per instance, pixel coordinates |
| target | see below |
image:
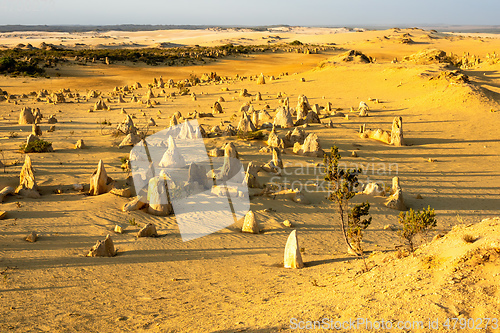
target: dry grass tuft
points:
(468, 238)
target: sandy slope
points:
(229, 281)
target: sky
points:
(335, 13)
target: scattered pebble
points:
(32, 237)
(78, 187)
(118, 229)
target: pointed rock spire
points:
(130, 140)
(292, 257)
(26, 116)
(250, 224)
(397, 132)
(245, 124)
(99, 181)
(396, 200)
(172, 157)
(103, 248)
(283, 118)
(149, 230)
(27, 184)
(261, 79)
(173, 121)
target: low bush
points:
(11, 66)
(37, 146)
(256, 135)
(416, 223)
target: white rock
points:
(374, 189)
(78, 187)
(172, 157)
(6, 191)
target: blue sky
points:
(252, 12)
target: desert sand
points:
(231, 281)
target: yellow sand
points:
(229, 281)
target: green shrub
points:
(125, 164)
(133, 223)
(6, 63)
(9, 65)
(416, 223)
(356, 225)
(194, 79)
(344, 183)
(171, 56)
(37, 146)
(256, 135)
(183, 91)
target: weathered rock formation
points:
(27, 184)
(26, 116)
(130, 140)
(311, 147)
(149, 230)
(250, 224)
(283, 118)
(394, 137)
(251, 176)
(137, 203)
(261, 79)
(158, 196)
(198, 174)
(292, 256)
(99, 181)
(244, 93)
(6, 191)
(80, 144)
(127, 126)
(396, 200)
(36, 130)
(100, 105)
(103, 248)
(374, 189)
(246, 124)
(397, 132)
(217, 108)
(276, 164)
(172, 158)
(274, 140)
